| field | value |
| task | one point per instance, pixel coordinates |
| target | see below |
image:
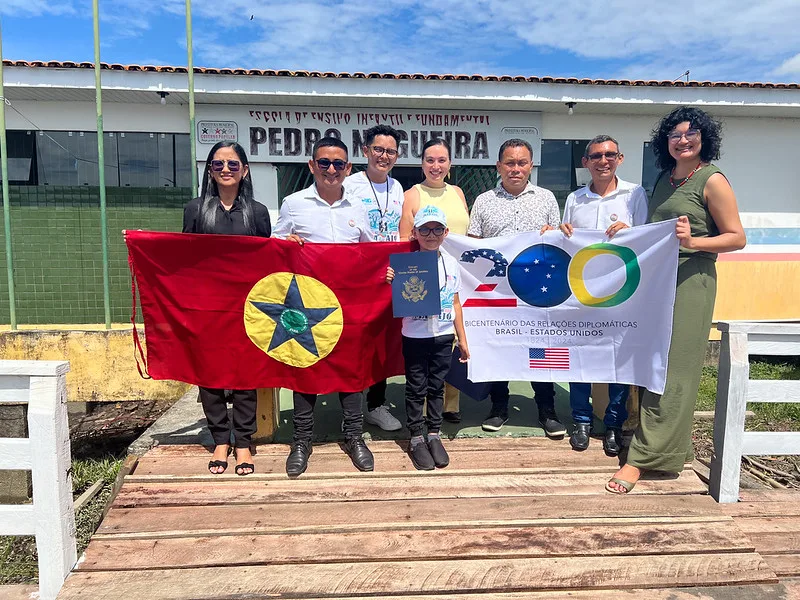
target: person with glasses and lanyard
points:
(326, 211)
(226, 206)
(611, 204)
(382, 196)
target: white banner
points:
(281, 134)
(585, 308)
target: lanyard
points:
(382, 226)
(444, 268)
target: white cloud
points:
(715, 39)
(35, 8)
(790, 66)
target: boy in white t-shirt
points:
(428, 346)
(611, 204)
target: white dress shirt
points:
(305, 214)
(586, 210)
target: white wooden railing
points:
(46, 454)
(735, 389)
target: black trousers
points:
(376, 395)
(544, 392)
(215, 407)
(303, 417)
(427, 364)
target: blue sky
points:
(716, 40)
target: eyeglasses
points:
(690, 135)
(426, 231)
(219, 165)
(325, 164)
(598, 155)
(379, 151)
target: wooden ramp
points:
(509, 518)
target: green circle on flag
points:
(294, 321)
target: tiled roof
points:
(430, 77)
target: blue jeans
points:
(616, 412)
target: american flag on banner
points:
(549, 358)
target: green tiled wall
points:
(55, 234)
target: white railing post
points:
(46, 453)
(735, 389)
(734, 371)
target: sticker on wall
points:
(211, 132)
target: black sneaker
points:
(421, 457)
(494, 422)
(551, 425)
(439, 454)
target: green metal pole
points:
(101, 163)
(192, 127)
(12, 305)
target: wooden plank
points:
(784, 565)
(417, 577)
(778, 328)
(17, 519)
(593, 540)
(537, 444)
(326, 490)
(747, 510)
(14, 389)
(393, 462)
(365, 515)
(34, 368)
(734, 371)
(773, 535)
(87, 496)
(779, 591)
(792, 587)
(15, 454)
(760, 443)
(766, 390)
(768, 495)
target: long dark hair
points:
(710, 135)
(210, 193)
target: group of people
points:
(371, 206)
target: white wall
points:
(758, 155)
(81, 116)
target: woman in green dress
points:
(695, 192)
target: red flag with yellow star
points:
(238, 312)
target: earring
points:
(448, 174)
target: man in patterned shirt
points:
(516, 206)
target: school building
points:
(277, 116)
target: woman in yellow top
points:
(450, 199)
(434, 191)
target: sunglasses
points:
(426, 231)
(325, 164)
(599, 155)
(219, 165)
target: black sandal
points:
(241, 467)
(217, 463)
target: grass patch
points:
(768, 416)
(18, 553)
